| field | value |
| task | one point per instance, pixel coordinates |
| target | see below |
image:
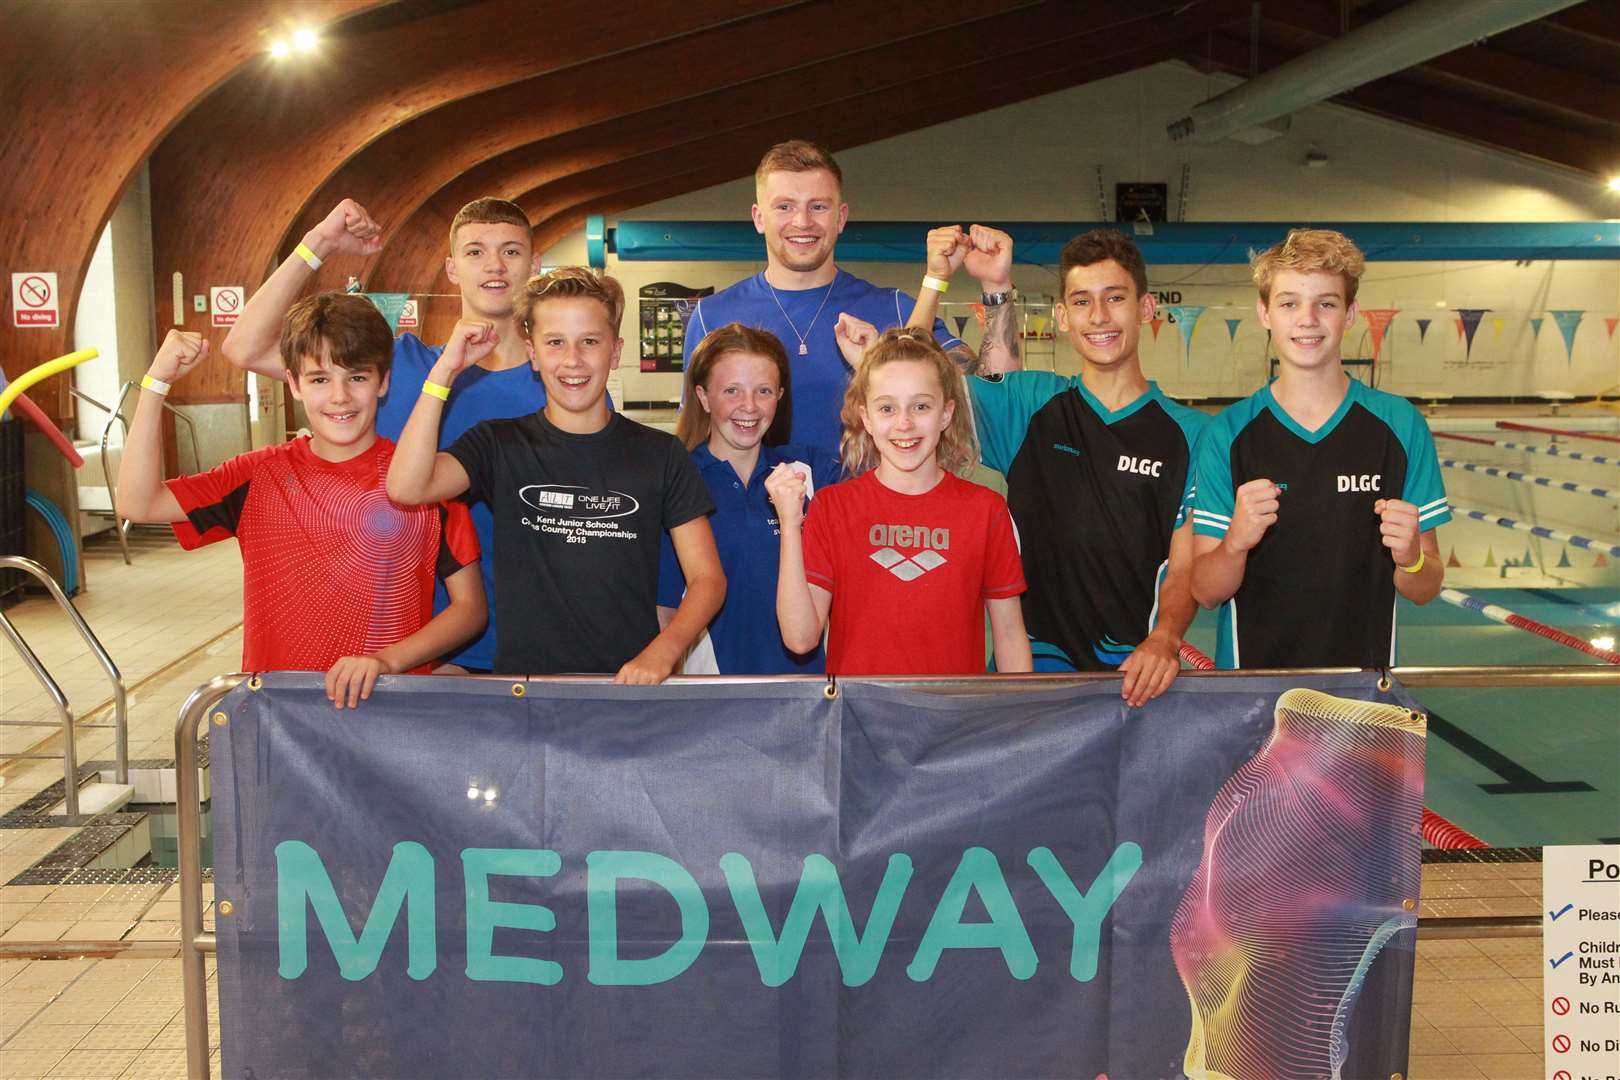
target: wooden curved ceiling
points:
(416, 106)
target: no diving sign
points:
(408, 315)
(34, 300)
(225, 301)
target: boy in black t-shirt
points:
(580, 495)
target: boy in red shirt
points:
(336, 578)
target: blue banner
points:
(478, 878)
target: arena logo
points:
(918, 536)
(410, 885)
(579, 502)
(1363, 482)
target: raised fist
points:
(1254, 510)
(347, 230)
(947, 246)
(990, 260)
(854, 336)
(785, 486)
(181, 351)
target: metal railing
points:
(120, 724)
(115, 415)
(195, 942)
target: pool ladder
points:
(120, 724)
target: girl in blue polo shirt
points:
(735, 416)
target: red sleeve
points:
(213, 500)
(1003, 569)
(820, 528)
(458, 540)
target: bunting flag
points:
(392, 305)
(961, 322)
(1423, 329)
(1611, 324)
(978, 314)
(1451, 560)
(1186, 317)
(1378, 320)
(1461, 330)
(1496, 326)
(1563, 560)
(1233, 324)
(1156, 323)
(1535, 327)
(1490, 557)
(1601, 562)
(1567, 322)
(1528, 560)
(1468, 321)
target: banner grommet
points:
(517, 689)
(220, 719)
(830, 691)
(254, 682)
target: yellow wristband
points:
(303, 252)
(937, 284)
(157, 386)
(433, 389)
(1415, 567)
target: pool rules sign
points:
(1581, 942)
(35, 301)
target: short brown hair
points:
(341, 328)
(568, 282)
(1099, 245)
(1311, 251)
(958, 444)
(489, 211)
(797, 155)
(693, 426)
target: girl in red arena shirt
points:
(907, 555)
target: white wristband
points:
(303, 251)
(939, 285)
(157, 386)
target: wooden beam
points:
(227, 182)
(731, 156)
(762, 111)
(1597, 20)
(90, 89)
(1420, 106)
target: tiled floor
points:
(171, 623)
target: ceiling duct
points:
(1417, 32)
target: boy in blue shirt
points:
(1318, 496)
(490, 258)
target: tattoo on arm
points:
(965, 359)
(998, 351)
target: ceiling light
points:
(1614, 183)
(280, 49)
(304, 40)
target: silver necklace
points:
(804, 348)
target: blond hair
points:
(1311, 251)
(567, 283)
(797, 155)
(958, 449)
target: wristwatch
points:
(996, 299)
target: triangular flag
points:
(1567, 322)
(1458, 323)
(961, 322)
(1611, 324)
(1423, 329)
(1377, 321)
(1535, 327)
(1528, 559)
(392, 305)
(1451, 560)
(1496, 326)
(1490, 557)
(1601, 562)
(1468, 320)
(1563, 560)
(1232, 329)
(1156, 323)
(978, 314)
(1186, 317)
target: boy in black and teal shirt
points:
(1318, 496)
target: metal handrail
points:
(116, 416)
(70, 757)
(195, 942)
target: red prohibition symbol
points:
(35, 291)
(1562, 1074)
(1560, 1005)
(1561, 1043)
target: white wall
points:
(1038, 160)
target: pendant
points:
(804, 350)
